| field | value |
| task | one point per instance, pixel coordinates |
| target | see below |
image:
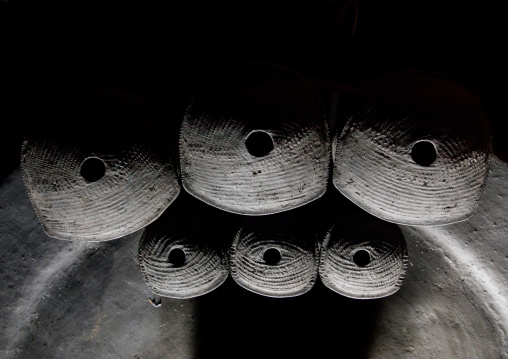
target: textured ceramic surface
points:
(255, 141)
(415, 150)
(363, 257)
(98, 183)
(275, 256)
(180, 256)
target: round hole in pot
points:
(93, 169)
(259, 143)
(361, 258)
(176, 257)
(424, 153)
(272, 256)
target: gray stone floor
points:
(65, 299)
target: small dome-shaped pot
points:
(363, 257)
(182, 256)
(275, 256)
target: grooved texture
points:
(382, 276)
(293, 275)
(138, 185)
(140, 178)
(373, 166)
(216, 165)
(205, 267)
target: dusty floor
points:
(88, 300)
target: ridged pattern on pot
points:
(381, 277)
(205, 267)
(216, 164)
(138, 185)
(293, 275)
(373, 165)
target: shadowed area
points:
(88, 300)
(234, 322)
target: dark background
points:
(52, 49)
(49, 50)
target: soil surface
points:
(64, 299)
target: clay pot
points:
(363, 257)
(275, 256)
(181, 255)
(254, 141)
(101, 177)
(415, 150)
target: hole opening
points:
(93, 169)
(177, 257)
(272, 256)
(259, 143)
(361, 258)
(424, 153)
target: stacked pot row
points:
(412, 148)
(184, 255)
